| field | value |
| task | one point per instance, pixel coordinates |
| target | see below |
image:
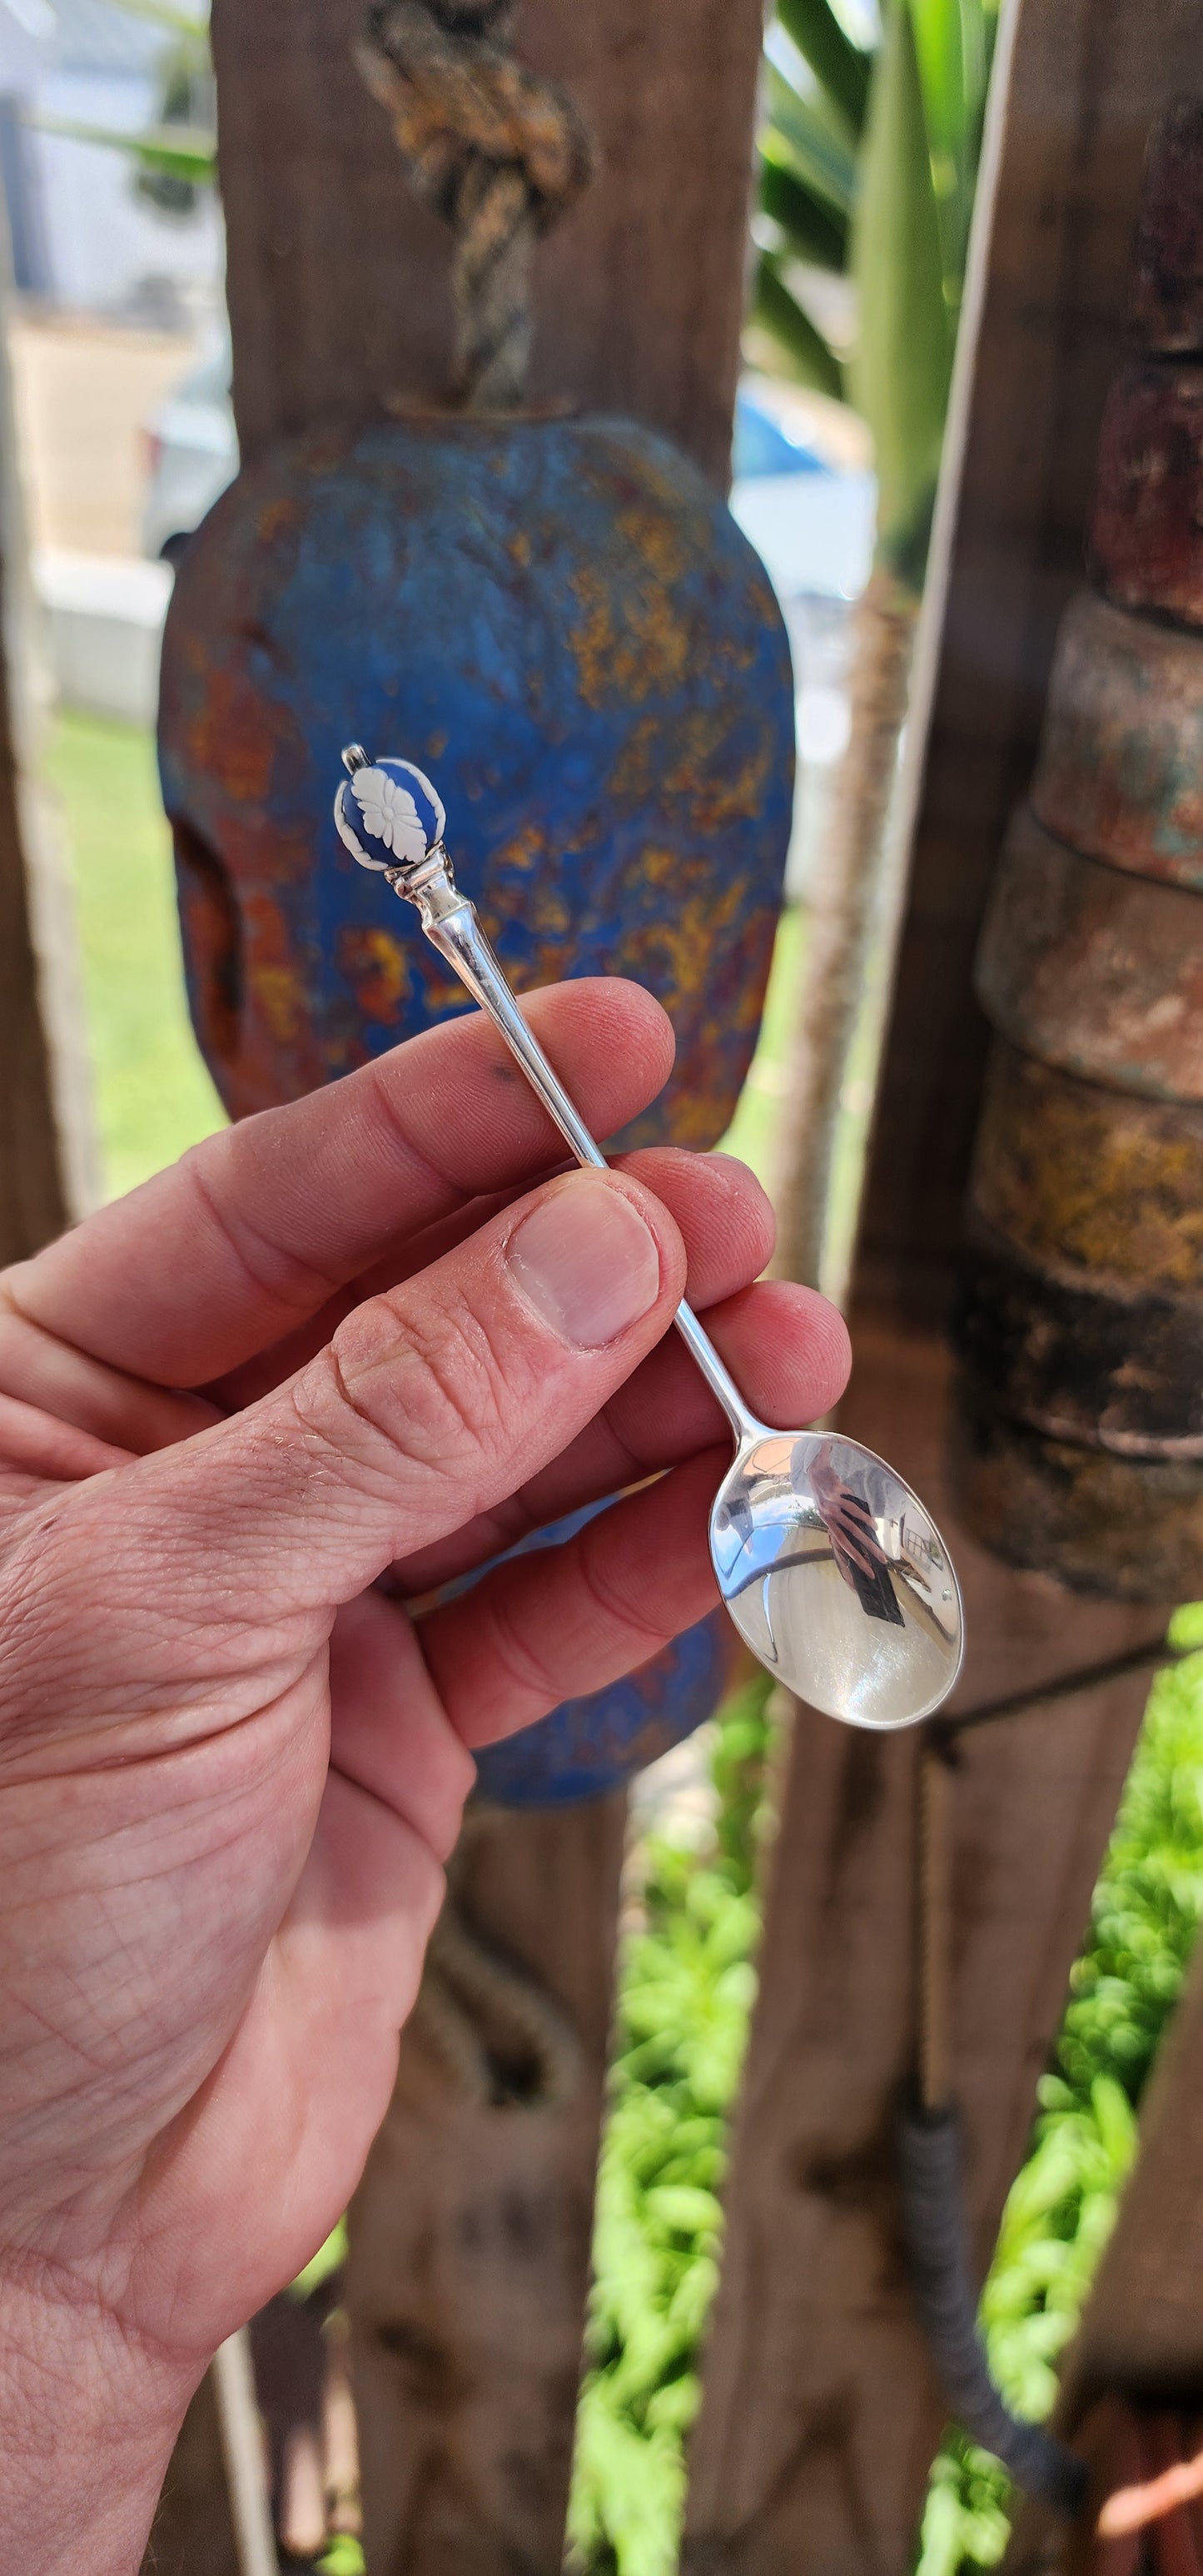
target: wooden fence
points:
(470, 2233)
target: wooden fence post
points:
(33, 1203)
(470, 2233)
(820, 2411)
(338, 279)
(1142, 2333)
(42, 1168)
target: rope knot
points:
(496, 151)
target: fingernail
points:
(586, 1262)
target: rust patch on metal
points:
(377, 968)
(274, 978)
(648, 653)
(212, 931)
(1090, 1182)
(228, 741)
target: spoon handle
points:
(450, 922)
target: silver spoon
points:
(829, 1565)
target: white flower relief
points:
(389, 813)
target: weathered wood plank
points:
(1142, 2331)
(470, 2232)
(33, 1203)
(1088, 76)
(338, 279)
(821, 2413)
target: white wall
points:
(104, 241)
(86, 64)
(104, 617)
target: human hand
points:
(346, 1340)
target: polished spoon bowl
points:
(829, 1565)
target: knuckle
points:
(425, 1385)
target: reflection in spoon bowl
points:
(837, 1578)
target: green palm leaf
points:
(182, 151)
(839, 66)
(900, 370)
(951, 43)
(813, 360)
(814, 232)
(178, 22)
(812, 138)
(940, 47)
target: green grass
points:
(152, 1094)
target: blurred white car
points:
(191, 454)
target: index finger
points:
(250, 1233)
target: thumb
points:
(432, 1403)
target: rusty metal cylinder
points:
(1079, 1443)
(1079, 1431)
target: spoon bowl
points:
(837, 1578)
